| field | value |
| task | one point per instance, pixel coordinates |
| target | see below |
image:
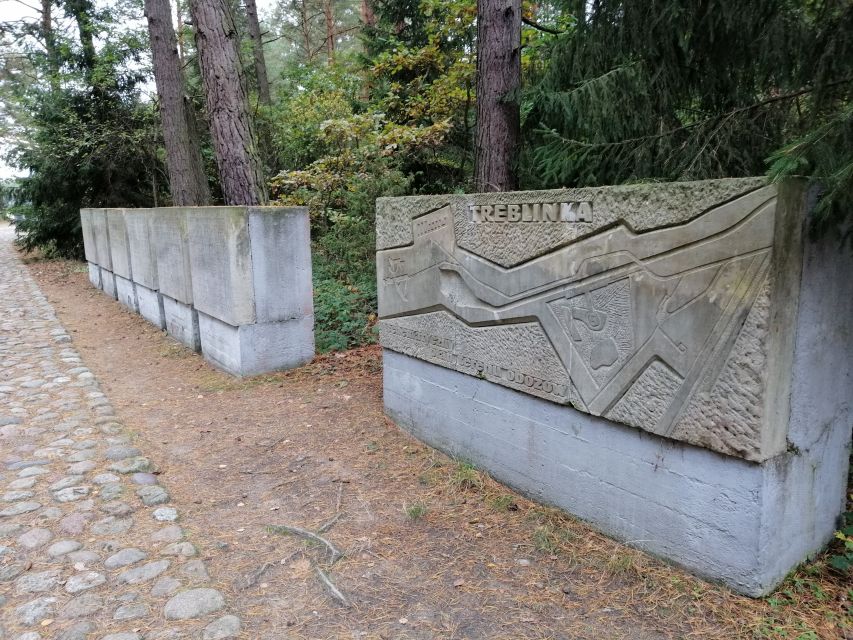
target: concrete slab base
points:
(108, 283)
(181, 322)
(256, 348)
(94, 275)
(150, 306)
(731, 521)
(126, 293)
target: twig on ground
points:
(331, 523)
(252, 579)
(340, 495)
(334, 552)
(331, 588)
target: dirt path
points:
(433, 548)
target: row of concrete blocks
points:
(231, 282)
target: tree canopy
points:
(379, 97)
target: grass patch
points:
(466, 477)
(416, 511)
(503, 502)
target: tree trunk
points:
(227, 100)
(498, 86)
(81, 12)
(49, 36)
(179, 20)
(368, 21)
(187, 181)
(258, 52)
(331, 32)
(305, 29)
(368, 15)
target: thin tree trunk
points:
(305, 28)
(331, 32)
(234, 144)
(258, 52)
(368, 21)
(187, 181)
(179, 20)
(368, 15)
(498, 85)
(81, 11)
(49, 36)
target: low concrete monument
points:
(232, 282)
(119, 247)
(168, 237)
(99, 233)
(671, 362)
(90, 248)
(143, 264)
(251, 286)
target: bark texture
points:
(331, 32)
(50, 47)
(81, 11)
(258, 52)
(498, 85)
(368, 15)
(187, 181)
(226, 97)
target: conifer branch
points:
(722, 118)
(541, 27)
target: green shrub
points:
(344, 307)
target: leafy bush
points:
(344, 307)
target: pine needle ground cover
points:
(433, 547)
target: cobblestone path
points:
(90, 547)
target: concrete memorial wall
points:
(672, 362)
(232, 282)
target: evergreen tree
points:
(81, 130)
(691, 89)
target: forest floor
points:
(432, 547)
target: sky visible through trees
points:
(371, 98)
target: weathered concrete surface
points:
(281, 259)
(69, 541)
(168, 235)
(142, 257)
(641, 207)
(119, 244)
(90, 248)
(667, 330)
(94, 274)
(126, 293)
(150, 305)
(247, 269)
(252, 349)
(726, 331)
(108, 283)
(251, 278)
(251, 264)
(181, 322)
(221, 262)
(101, 236)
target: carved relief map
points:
(650, 313)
